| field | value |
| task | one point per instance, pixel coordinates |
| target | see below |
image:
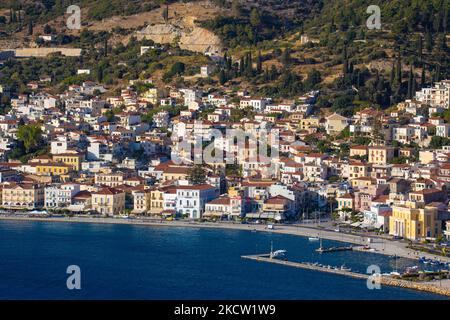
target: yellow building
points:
(309, 123)
(151, 96)
(380, 154)
(414, 223)
(72, 159)
(360, 151)
(157, 200)
(357, 169)
(175, 173)
(22, 196)
(346, 201)
(109, 179)
(53, 168)
(108, 201)
(363, 182)
(335, 124)
(427, 156)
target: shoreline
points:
(379, 246)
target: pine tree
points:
(236, 8)
(197, 175)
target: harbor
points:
(383, 279)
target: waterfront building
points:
(414, 222)
(108, 201)
(22, 196)
(191, 200)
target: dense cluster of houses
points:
(119, 164)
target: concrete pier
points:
(384, 280)
(302, 265)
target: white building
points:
(191, 200)
(161, 119)
(439, 95)
(443, 130)
(58, 196)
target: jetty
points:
(334, 249)
(305, 265)
(383, 279)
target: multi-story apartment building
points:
(191, 200)
(415, 223)
(108, 201)
(71, 159)
(58, 196)
(110, 179)
(439, 95)
(22, 196)
(380, 154)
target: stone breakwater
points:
(415, 286)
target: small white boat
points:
(278, 254)
(394, 273)
(313, 238)
(344, 268)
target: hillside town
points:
(382, 171)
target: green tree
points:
(165, 14)
(30, 28)
(197, 174)
(30, 135)
(255, 18)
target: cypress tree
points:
(30, 28)
(222, 77)
(399, 69)
(392, 76)
(423, 77)
(420, 46)
(106, 47)
(410, 82)
(259, 63)
(428, 40)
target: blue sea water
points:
(141, 262)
